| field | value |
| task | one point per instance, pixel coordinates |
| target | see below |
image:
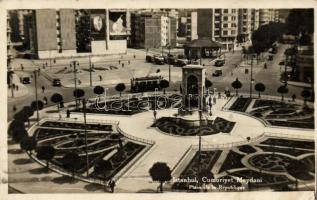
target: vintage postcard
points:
(165, 100)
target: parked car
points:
(220, 63)
(26, 80)
(148, 58)
(159, 60)
(57, 82)
(218, 72)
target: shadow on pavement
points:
(52, 111)
(92, 187)
(15, 151)
(64, 179)
(41, 170)
(146, 191)
(23, 161)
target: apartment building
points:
(255, 19)
(268, 15)
(68, 32)
(220, 25)
(153, 30)
(244, 25)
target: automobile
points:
(220, 63)
(181, 62)
(159, 60)
(26, 80)
(218, 72)
(148, 58)
(282, 62)
(169, 59)
(57, 82)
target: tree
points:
(300, 21)
(208, 83)
(15, 125)
(120, 87)
(46, 153)
(282, 90)
(18, 135)
(103, 167)
(29, 112)
(99, 90)
(160, 172)
(40, 105)
(28, 144)
(71, 161)
(236, 85)
(305, 94)
(57, 99)
(259, 87)
(164, 84)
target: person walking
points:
(43, 89)
(68, 113)
(112, 184)
(293, 97)
(100, 78)
(14, 108)
(154, 114)
(45, 100)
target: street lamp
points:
(251, 76)
(75, 63)
(85, 126)
(36, 96)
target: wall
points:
(67, 26)
(46, 29)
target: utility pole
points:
(90, 69)
(199, 146)
(85, 125)
(36, 97)
(169, 64)
(251, 76)
(75, 80)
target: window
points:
(217, 32)
(225, 10)
(217, 10)
(225, 18)
(225, 25)
(233, 32)
(217, 18)
(217, 25)
(233, 11)
(225, 32)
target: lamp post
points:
(90, 71)
(251, 76)
(75, 78)
(85, 126)
(35, 72)
(169, 63)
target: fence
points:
(137, 139)
(75, 120)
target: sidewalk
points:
(22, 89)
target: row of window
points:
(225, 33)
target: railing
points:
(228, 145)
(311, 136)
(182, 158)
(110, 122)
(131, 137)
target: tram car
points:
(143, 84)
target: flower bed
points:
(232, 161)
(290, 151)
(171, 125)
(241, 104)
(247, 149)
(290, 143)
(77, 125)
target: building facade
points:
(153, 30)
(68, 32)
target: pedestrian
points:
(45, 100)
(154, 114)
(79, 81)
(67, 113)
(22, 67)
(17, 87)
(59, 115)
(14, 108)
(13, 86)
(293, 97)
(54, 61)
(134, 56)
(214, 100)
(112, 184)
(119, 61)
(43, 66)
(265, 66)
(43, 89)
(219, 95)
(100, 78)
(122, 65)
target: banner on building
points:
(117, 23)
(98, 25)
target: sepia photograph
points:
(160, 100)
